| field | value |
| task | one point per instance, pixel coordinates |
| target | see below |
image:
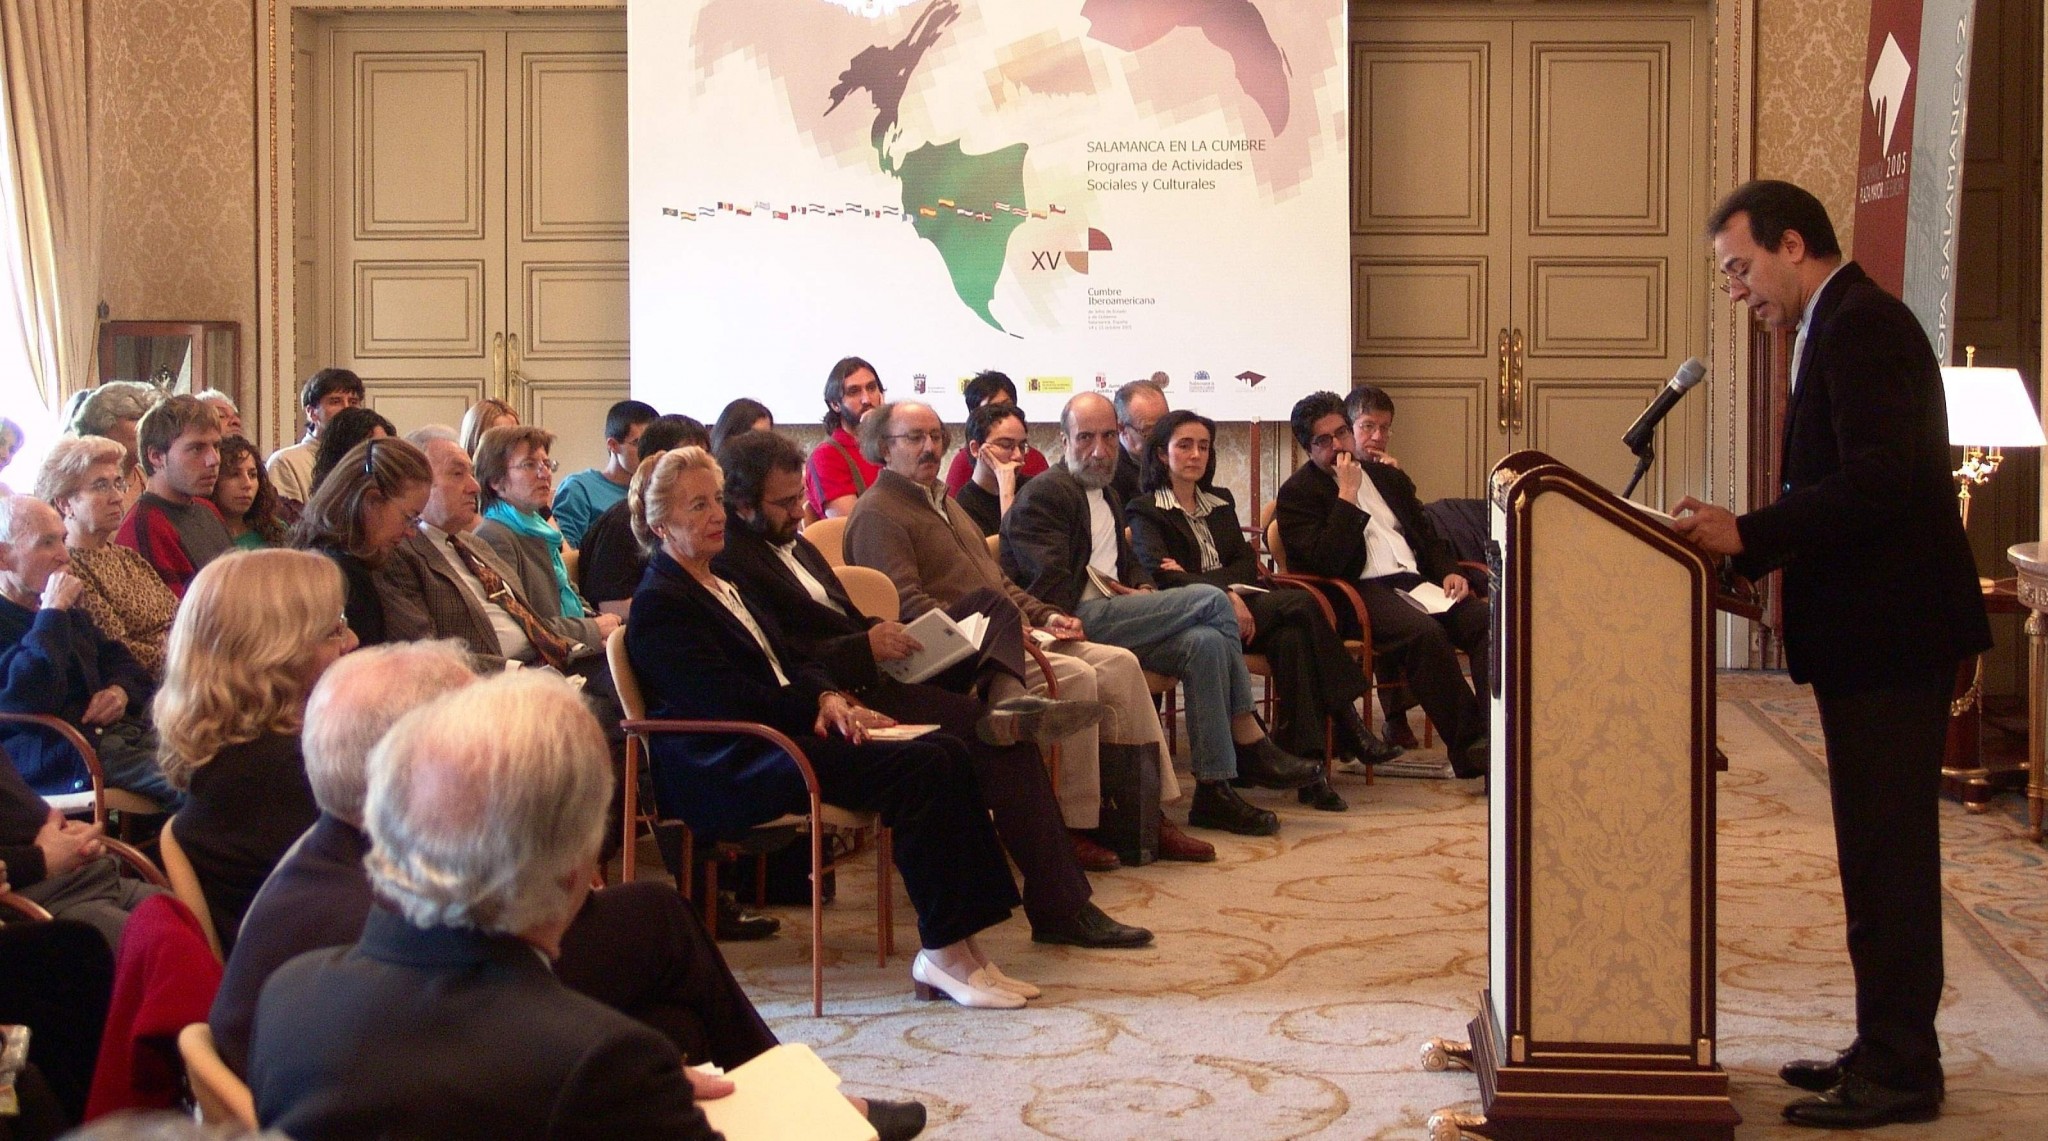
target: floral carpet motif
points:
(1294, 980)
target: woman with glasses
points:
(998, 440)
(247, 502)
(518, 479)
(358, 516)
(257, 630)
(83, 478)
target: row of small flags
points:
(854, 208)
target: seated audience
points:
(1185, 530)
(1351, 513)
(743, 415)
(837, 472)
(517, 477)
(124, 596)
(247, 502)
(1064, 543)
(924, 541)
(225, 413)
(483, 416)
(62, 864)
(586, 494)
(257, 631)
(989, 387)
(174, 526)
(343, 431)
(324, 394)
(1139, 405)
(611, 564)
(997, 439)
(703, 651)
(54, 661)
(783, 573)
(360, 515)
(114, 410)
(485, 810)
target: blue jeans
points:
(1190, 632)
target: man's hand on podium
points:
(1712, 529)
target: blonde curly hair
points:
(239, 653)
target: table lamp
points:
(1988, 411)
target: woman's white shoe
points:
(1018, 987)
(979, 990)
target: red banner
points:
(1884, 155)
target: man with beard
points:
(1064, 541)
(837, 473)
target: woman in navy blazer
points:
(703, 651)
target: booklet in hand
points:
(1427, 597)
(945, 644)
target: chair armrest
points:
(80, 745)
(1291, 582)
(143, 867)
(23, 906)
(646, 727)
(1052, 685)
(1349, 594)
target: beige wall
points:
(173, 145)
(1809, 91)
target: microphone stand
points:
(1645, 456)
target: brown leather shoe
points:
(1175, 844)
(1092, 856)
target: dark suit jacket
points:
(53, 661)
(1879, 583)
(450, 1033)
(695, 660)
(1324, 535)
(1160, 535)
(1047, 538)
(610, 564)
(425, 598)
(835, 639)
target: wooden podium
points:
(1598, 1017)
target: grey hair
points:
(357, 701)
(70, 458)
(426, 434)
(486, 803)
(215, 395)
(112, 402)
(163, 1125)
(873, 430)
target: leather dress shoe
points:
(1856, 1102)
(1473, 760)
(896, 1120)
(1218, 806)
(933, 983)
(1321, 797)
(738, 925)
(1177, 845)
(1267, 765)
(1092, 856)
(1814, 1075)
(1091, 927)
(1039, 720)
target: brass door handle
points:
(1517, 349)
(512, 375)
(1505, 393)
(497, 386)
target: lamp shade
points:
(1989, 408)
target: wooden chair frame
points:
(219, 1095)
(184, 882)
(102, 798)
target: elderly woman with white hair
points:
(257, 630)
(83, 479)
(702, 650)
(485, 811)
(113, 410)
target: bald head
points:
(1089, 424)
(358, 700)
(31, 548)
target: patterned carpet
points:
(1294, 980)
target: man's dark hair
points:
(984, 419)
(344, 430)
(739, 416)
(328, 380)
(1310, 409)
(1367, 398)
(665, 433)
(1775, 207)
(835, 387)
(986, 384)
(1129, 392)
(621, 418)
(1154, 471)
(748, 459)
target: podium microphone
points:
(1638, 436)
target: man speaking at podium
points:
(1881, 604)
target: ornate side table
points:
(2031, 560)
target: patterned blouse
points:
(127, 600)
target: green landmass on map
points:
(973, 250)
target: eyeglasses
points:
(1371, 429)
(1328, 438)
(1006, 445)
(531, 466)
(116, 486)
(340, 630)
(938, 437)
(1736, 272)
(791, 505)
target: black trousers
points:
(56, 979)
(953, 868)
(640, 949)
(1884, 778)
(1014, 785)
(1313, 677)
(1425, 647)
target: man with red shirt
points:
(837, 473)
(174, 526)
